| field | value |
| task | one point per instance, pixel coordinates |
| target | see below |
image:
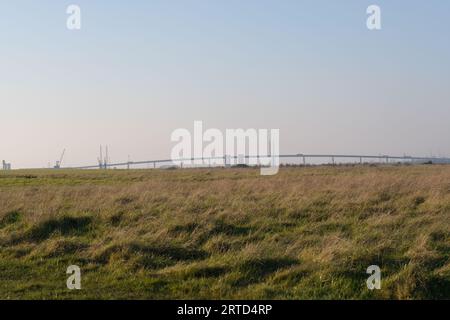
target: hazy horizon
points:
(137, 71)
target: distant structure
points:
(103, 161)
(299, 158)
(58, 163)
(6, 166)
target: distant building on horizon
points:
(6, 166)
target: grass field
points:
(306, 233)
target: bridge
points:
(302, 158)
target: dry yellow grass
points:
(227, 233)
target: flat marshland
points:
(305, 233)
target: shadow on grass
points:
(206, 272)
(154, 256)
(256, 270)
(65, 226)
(10, 218)
(434, 288)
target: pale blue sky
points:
(137, 70)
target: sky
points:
(138, 70)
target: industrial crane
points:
(58, 163)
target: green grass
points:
(305, 233)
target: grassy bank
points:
(305, 233)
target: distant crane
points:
(58, 163)
(103, 161)
(106, 160)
